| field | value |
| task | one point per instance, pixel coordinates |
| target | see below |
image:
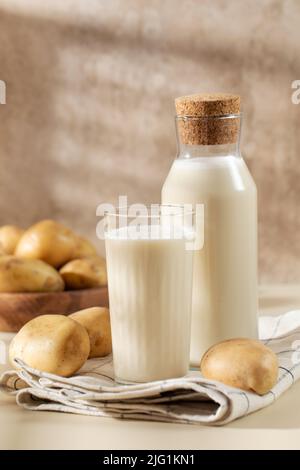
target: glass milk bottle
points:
(209, 170)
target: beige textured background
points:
(89, 113)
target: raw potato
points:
(85, 273)
(49, 241)
(83, 248)
(28, 275)
(96, 321)
(9, 238)
(242, 363)
(51, 343)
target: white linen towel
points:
(191, 399)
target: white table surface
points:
(277, 426)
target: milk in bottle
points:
(209, 170)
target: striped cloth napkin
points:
(191, 399)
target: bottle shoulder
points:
(212, 174)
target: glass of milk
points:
(150, 269)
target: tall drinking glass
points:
(150, 268)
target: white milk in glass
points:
(225, 271)
(150, 287)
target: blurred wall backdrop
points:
(89, 113)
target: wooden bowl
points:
(18, 309)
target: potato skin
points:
(96, 321)
(28, 275)
(83, 248)
(51, 343)
(243, 363)
(84, 273)
(9, 238)
(49, 241)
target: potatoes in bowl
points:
(51, 343)
(48, 241)
(42, 250)
(28, 275)
(53, 243)
(84, 273)
(83, 248)
(9, 238)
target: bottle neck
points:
(208, 151)
(208, 137)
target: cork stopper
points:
(206, 119)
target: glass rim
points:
(116, 213)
